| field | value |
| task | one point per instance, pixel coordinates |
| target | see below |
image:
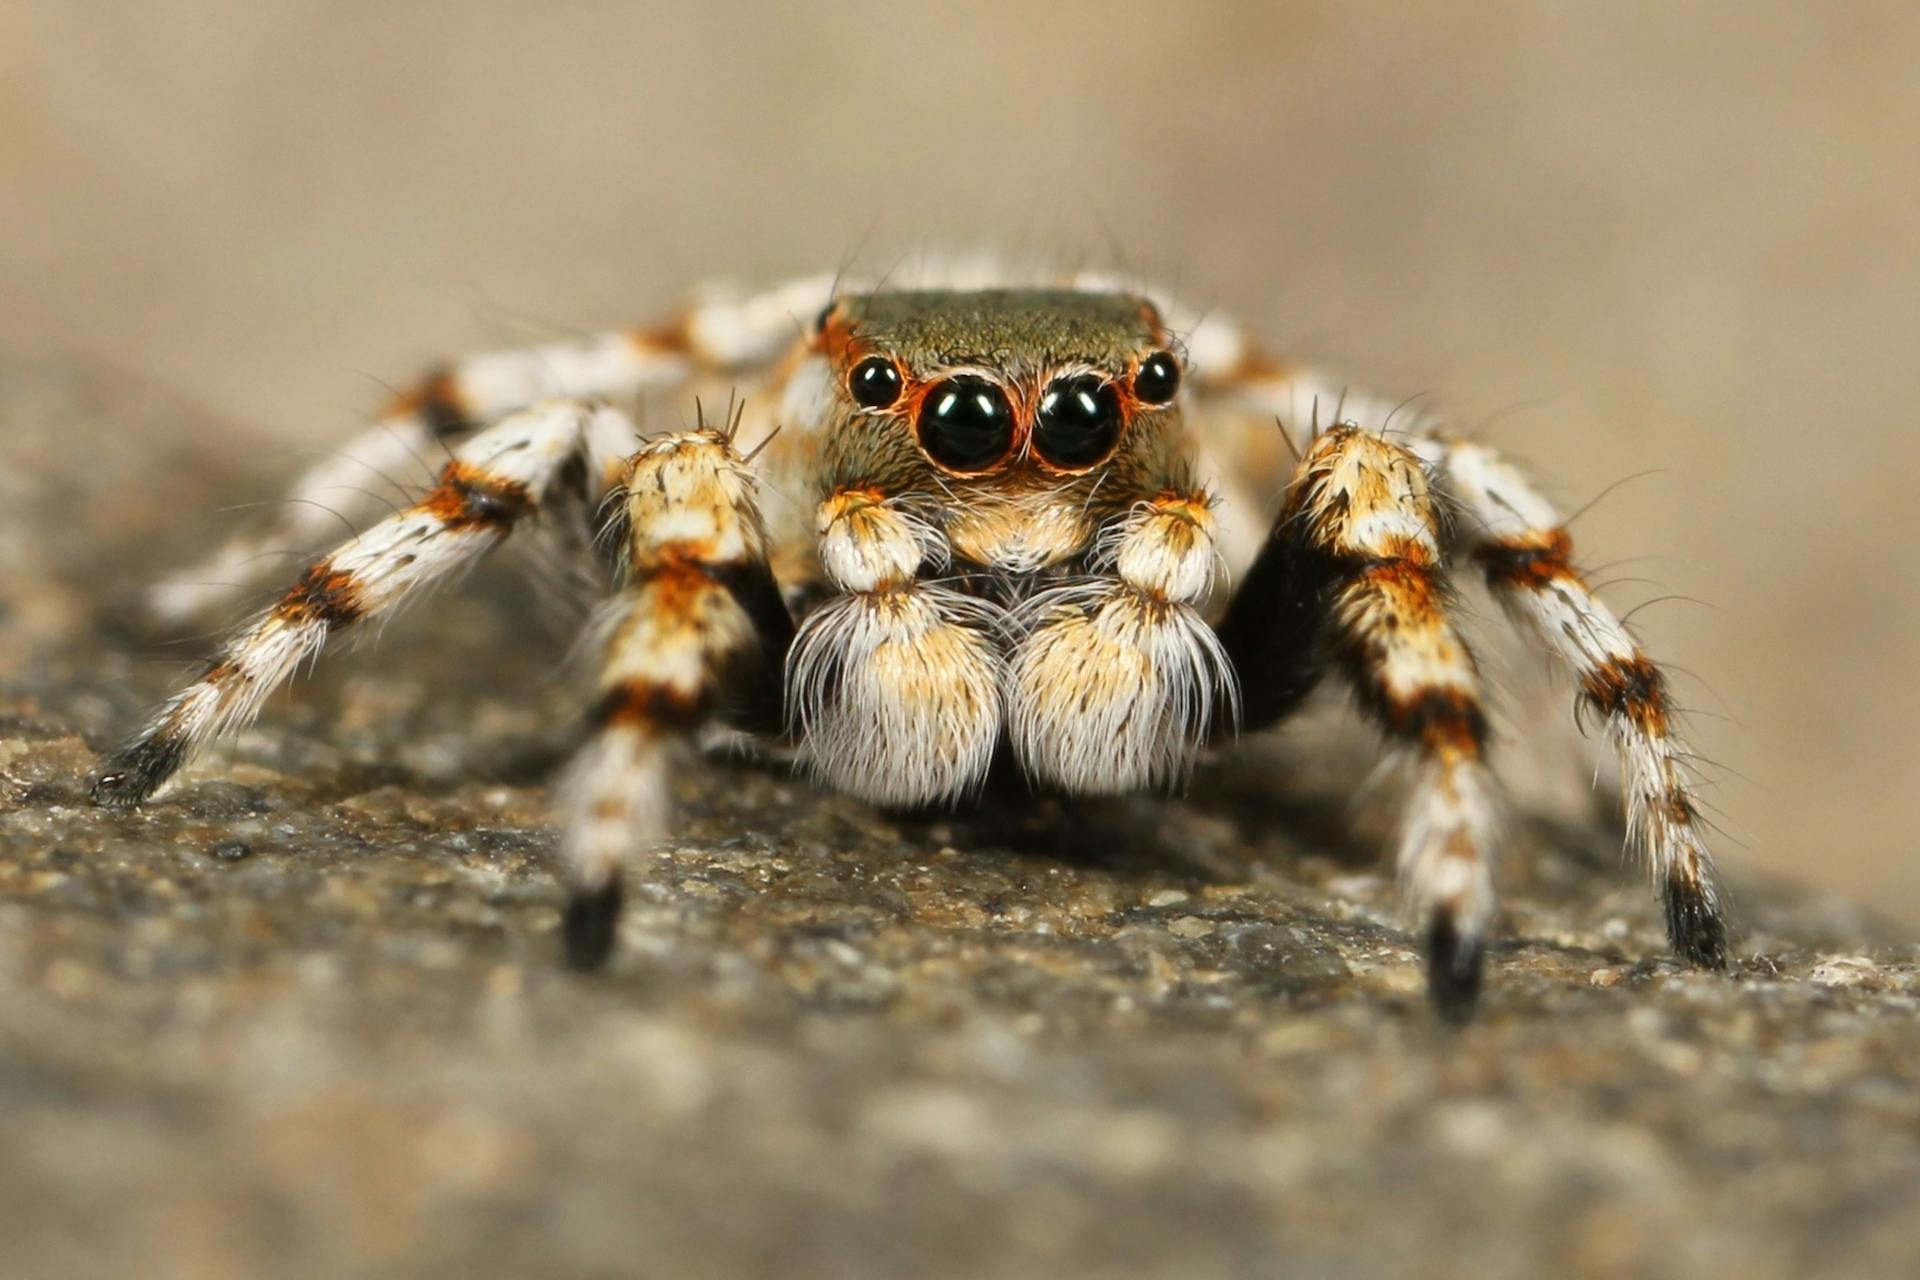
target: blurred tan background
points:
(1643, 236)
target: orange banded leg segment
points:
(715, 333)
(698, 632)
(1521, 542)
(1360, 536)
(493, 482)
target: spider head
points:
(1015, 389)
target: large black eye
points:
(1079, 421)
(966, 423)
(874, 383)
(1157, 378)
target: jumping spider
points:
(991, 523)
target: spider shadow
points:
(1274, 809)
(1232, 820)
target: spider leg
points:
(494, 481)
(1521, 542)
(698, 632)
(716, 333)
(1353, 572)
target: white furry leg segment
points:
(1522, 543)
(1117, 682)
(407, 439)
(346, 487)
(494, 480)
(717, 331)
(894, 687)
(697, 632)
(1364, 503)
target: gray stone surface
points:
(303, 1017)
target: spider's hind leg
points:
(1522, 543)
(1352, 576)
(491, 485)
(698, 633)
(717, 332)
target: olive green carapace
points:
(1009, 329)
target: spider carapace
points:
(994, 519)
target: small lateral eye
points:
(874, 383)
(966, 423)
(1079, 421)
(1157, 378)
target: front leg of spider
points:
(697, 632)
(1353, 572)
(470, 394)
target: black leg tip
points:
(1695, 926)
(589, 925)
(1455, 964)
(115, 789)
(132, 775)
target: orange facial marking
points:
(1131, 406)
(840, 342)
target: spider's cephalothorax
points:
(1009, 519)
(993, 523)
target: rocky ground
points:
(303, 1017)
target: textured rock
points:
(303, 1016)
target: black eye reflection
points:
(966, 423)
(1157, 378)
(1079, 421)
(874, 383)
